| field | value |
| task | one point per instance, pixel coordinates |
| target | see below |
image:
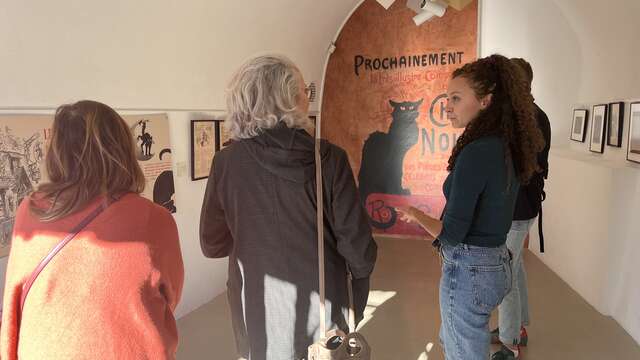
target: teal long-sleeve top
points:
(480, 202)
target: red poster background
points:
(355, 105)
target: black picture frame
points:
(615, 124)
(579, 124)
(214, 137)
(633, 153)
(598, 128)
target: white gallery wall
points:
(161, 54)
(152, 53)
(582, 53)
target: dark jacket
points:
(480, 196)
(531, 195)
(260, 210)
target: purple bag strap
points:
(34, 275)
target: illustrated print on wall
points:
(598, 128)
(633, 150)
(204, 139)
(163, 188)
(144, 140)
(614, 124)
(223, 138)
(383, 156)
(203, 147)
(33, 156)
(22, 149)
(579, 125)
(153, 150)
(19, 173)
(23, 145)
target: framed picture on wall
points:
(598, 128)
(579, 126)
(614, 124)
(633, 151)
(223, 138)
(203, 147)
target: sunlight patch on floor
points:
(376, 298)
(425, 354)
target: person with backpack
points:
(514, 309)
(496, 153)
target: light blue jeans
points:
(474, 281)
(514, 310)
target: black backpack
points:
(531, 195)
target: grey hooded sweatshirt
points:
(259, 210)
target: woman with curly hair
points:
(493, 156)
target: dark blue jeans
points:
(474, 281)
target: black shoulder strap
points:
(543, 196)
(540, 233)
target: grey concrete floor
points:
(403, 318)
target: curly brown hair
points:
(510, 115)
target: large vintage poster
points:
(384, 103)
(23, 142)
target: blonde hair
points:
(92, 153)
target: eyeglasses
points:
(310, 91)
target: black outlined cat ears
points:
(406, 103)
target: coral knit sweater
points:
(109, 294)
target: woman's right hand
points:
(407, 213)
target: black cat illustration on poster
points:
(383, 153)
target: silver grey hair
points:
(262, 93)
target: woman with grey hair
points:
(259, 210)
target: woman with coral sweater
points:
(111, 291)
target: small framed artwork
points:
(222, 135)
(633, 151)
(614, 124)
(598, 128)
(203, 147)
(579, 127)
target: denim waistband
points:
(490, 255)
